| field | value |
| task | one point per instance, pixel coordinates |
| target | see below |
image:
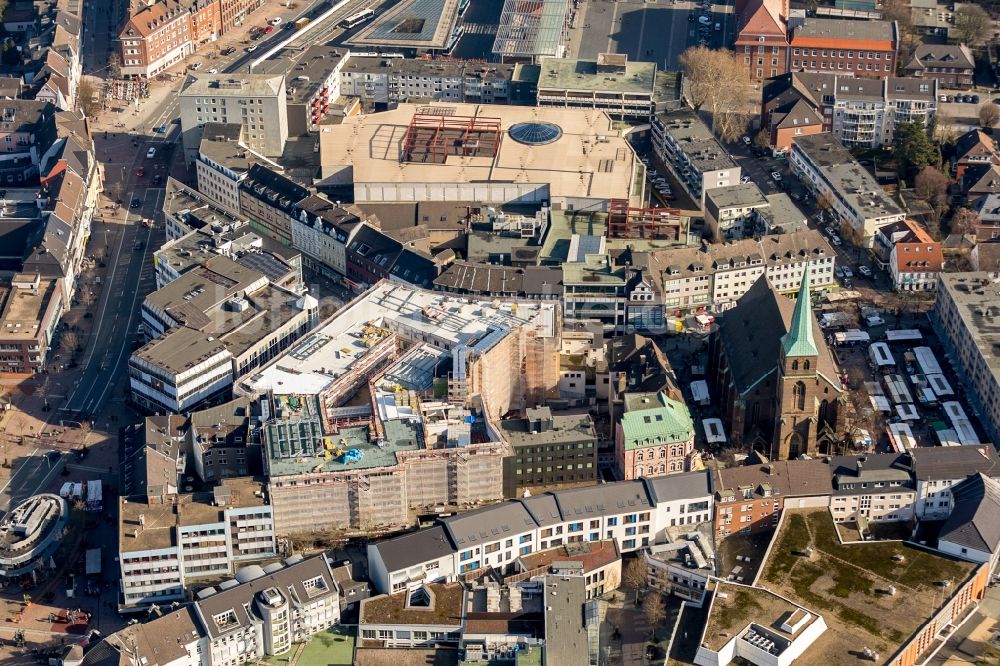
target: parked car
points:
(229, 50)
(213, 71)
(251, 48)
(276, 20)
(835, 241)
(864, 270)
(848, 272)
(268, 30)
(776, 176)
(160, 129)
(195, 66)
(746, 140)
(704, 20)
(151, 153)
(745, 180)
(839, 272)
(975, 99)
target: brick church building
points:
(774, 375)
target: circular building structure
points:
(30, 533)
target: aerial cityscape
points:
(499, 332)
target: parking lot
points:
(657, 31)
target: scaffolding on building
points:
(625, 221)
(433, 138)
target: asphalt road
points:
(31, 473)
(649, 31)
(100, 25)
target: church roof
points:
(799, 340)
(751, 335)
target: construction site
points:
(388, 409)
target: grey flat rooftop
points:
(854, 183)
(399, 436)
(419, 24)
(563, 74)
(697, 141)
(742, 195)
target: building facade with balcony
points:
(387, 79)
(687, 147)
(595, 289)
(163, 548)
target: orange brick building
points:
(853, 48)
(750, 498)
(762, 38)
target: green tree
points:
(914, 149)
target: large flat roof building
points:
(611, 83)
(414, 27)
(359, 401)
(573, 159)
(965, 313)
(856, 199)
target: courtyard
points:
(872, 595)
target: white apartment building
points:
(866, 112)
(856, 199)
(686, 146)
(265, 610)
(937, 469)
(222, 162)
(632, 513)
(322, 230)
(214, 323)
(714, 277)
(732, 213)
(386, 79)
(163, 548)
(176, 372)
(257, 102)
(683, 566)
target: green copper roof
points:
(665, 421)
(799, 339)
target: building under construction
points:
(388, 408)
(625, 221)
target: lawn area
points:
(334, 647)
(849, 583)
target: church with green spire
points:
(773, 374)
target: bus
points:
(358, 19)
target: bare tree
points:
(964, 221)
(945, 130)
(635, 575)
(114, 65)
(86, 296)
(762, 139)
(932, 186)
(900, 12)
(654, 610)
(989, 114)
(88, 97)
(69, 342)
(973, 25)
(719, 81)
